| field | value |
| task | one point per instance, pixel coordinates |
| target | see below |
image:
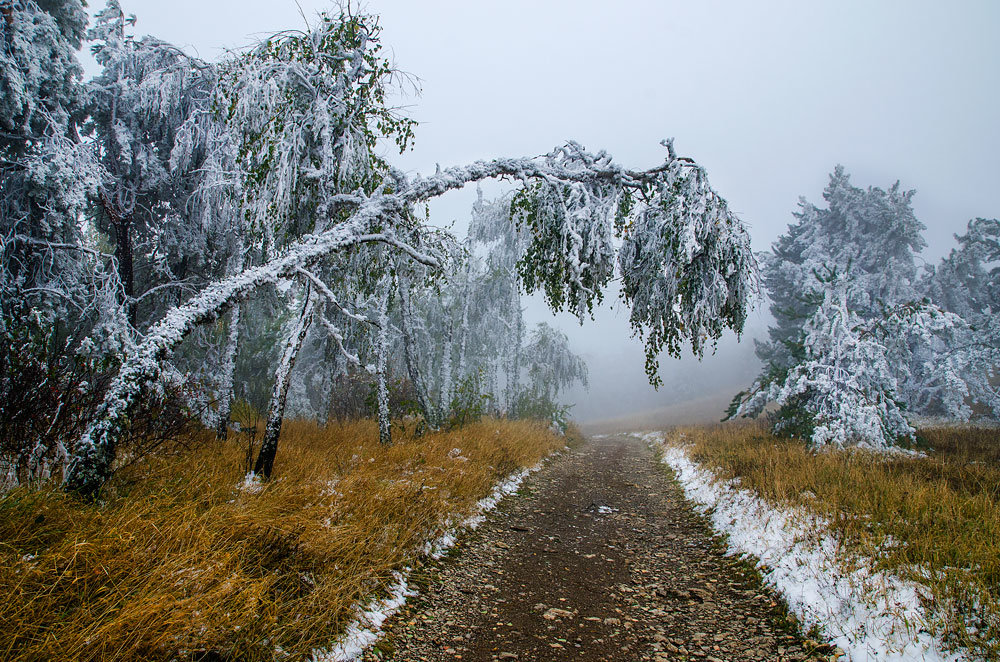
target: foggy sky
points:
(768, 96)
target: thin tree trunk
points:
(514, 366)
(126, 272)
(276, 413)
(410, 350)
(228, 372)
(492, 368)
(464, 329)
(382, 358)
(444, 404)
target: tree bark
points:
(410, 349)
(514, 365)
(123, 253)
(121, 221)
(276, 413)
(228, 371)
(382, 358)
(464, 328)
(444, 400)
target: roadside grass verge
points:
(934, 520)
(180, 560)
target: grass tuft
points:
(178, 561)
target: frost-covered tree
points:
(550, 367)
(53, 285)
(873, 235)
(306, 111)
(568, 174)
(152, 122)
(848, 353)
(967, 283)
(873, 230)
(506, 241)
(843, 390)
(42, 192)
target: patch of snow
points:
(367, 628)
(871, 615)
(252, 484)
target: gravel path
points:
(598, 558)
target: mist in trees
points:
(185, 236)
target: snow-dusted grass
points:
(183, 557)
(893, 557)
(366, 629)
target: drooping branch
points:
(338, 337)
(588, 184)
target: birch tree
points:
(568, 178)
(306, 111)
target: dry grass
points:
(935, 519)
(177, 562)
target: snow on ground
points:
(366, 629)
(869, 615)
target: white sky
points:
(768, 96)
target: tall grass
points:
(178, 561)
(933, 519)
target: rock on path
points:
(599, 558)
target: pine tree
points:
(872, 230)
(967, 283)
(856, 341)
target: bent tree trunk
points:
(228, 371)
(276, 413)
(676, 201)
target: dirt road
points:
(598, 558)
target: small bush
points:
(535, 406)
(50, 391)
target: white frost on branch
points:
(376, 218)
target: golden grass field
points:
(933, 519)
(177, 562)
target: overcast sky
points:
(768, 96)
